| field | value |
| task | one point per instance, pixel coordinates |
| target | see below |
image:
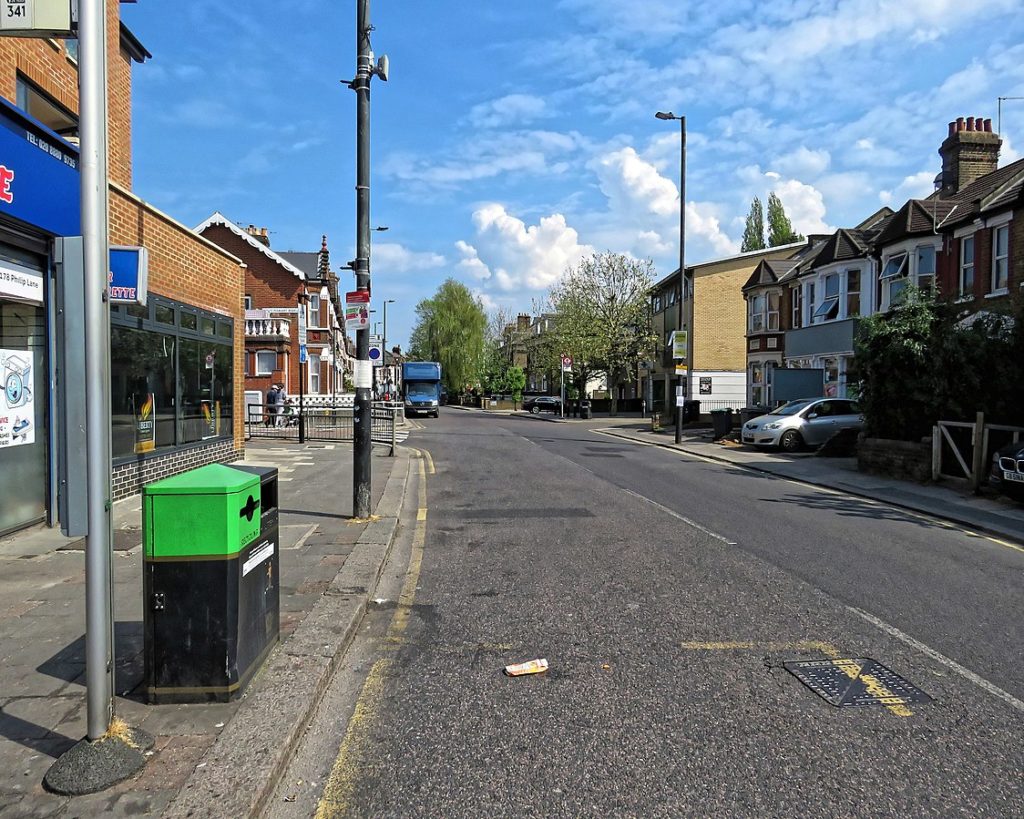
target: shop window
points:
(1001, 259)
(224, 329)
(142, 391)
(169, 386)
(207, 326)
(164, 314)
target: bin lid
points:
(212, 479)
(265, 472)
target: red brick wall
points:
(270, 286)
(184, 267)
(47, 64)
(949, 267)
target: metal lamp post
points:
(683, 290)
(363, 408)
(384, 338)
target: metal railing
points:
(320, 423)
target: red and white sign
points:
(566, 363)
(357, 310)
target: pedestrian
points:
(272, 394)
(279, 405)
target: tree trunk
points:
(613, 394)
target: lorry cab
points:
(421, 387)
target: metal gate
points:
(321, 423)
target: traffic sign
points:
(302, 354)
(566, 363)
(376, 353)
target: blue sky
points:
(514, 138)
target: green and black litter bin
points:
(586, 413)
(211, 581)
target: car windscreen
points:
(791, 408)
(416, 390)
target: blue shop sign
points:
(129, 275)
(39, 182)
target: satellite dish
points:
(383, 67)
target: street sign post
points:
(36, 18)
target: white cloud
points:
(520, 256)
(915, 186)
(510, 110)
(391, 257)
(471, 262)
(803, 162)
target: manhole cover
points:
(855, 682)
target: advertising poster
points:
(679, 338)
(17, 407)
(145, 426)
(357, 310)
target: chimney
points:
(970, 151)
(522, 322)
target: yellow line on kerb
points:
(875, 688)
(344, 774)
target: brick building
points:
(277, 287)
(175, 360)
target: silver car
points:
(806, 422)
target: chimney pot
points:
(988, 126)
(960, 123)
(952, 128)
(970, 123)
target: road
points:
(666, 593)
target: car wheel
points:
(535, 410)
(790, 441)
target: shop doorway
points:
(24, 406)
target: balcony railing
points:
(267, 328)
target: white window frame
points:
(966, 293)
(995, 288)
(796, 295)
(828, 308)
(260, 371)
(916, 272)
(847, 292)
(755, 319)
(313, 314)
(313, 373)
(248, 301)
(809, 295)
(772, 317)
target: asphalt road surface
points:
(666, 593)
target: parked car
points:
(1007, 473)
(806, 422)
(543, 403)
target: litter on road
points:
(531, 667)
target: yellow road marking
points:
(344, 774)
(430, 461)
(874, 687)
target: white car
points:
(805, 422)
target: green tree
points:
(603, 318)
(450, 329)
(780, 229)
(753, 230)
(923, 362)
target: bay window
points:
(852, 293)
(925, 267)
(829, 307)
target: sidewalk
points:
(996, 516)
(328, 566)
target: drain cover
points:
(855, 682)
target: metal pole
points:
(99, 643)
(683, 293)
(362, 410)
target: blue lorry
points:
(421, 387)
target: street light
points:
(683, 289)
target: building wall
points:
(727, 386)
(271, 287)
(47, 64)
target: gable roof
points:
(993, 190)
(916, 217)
(220, 219)
(770, 271)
